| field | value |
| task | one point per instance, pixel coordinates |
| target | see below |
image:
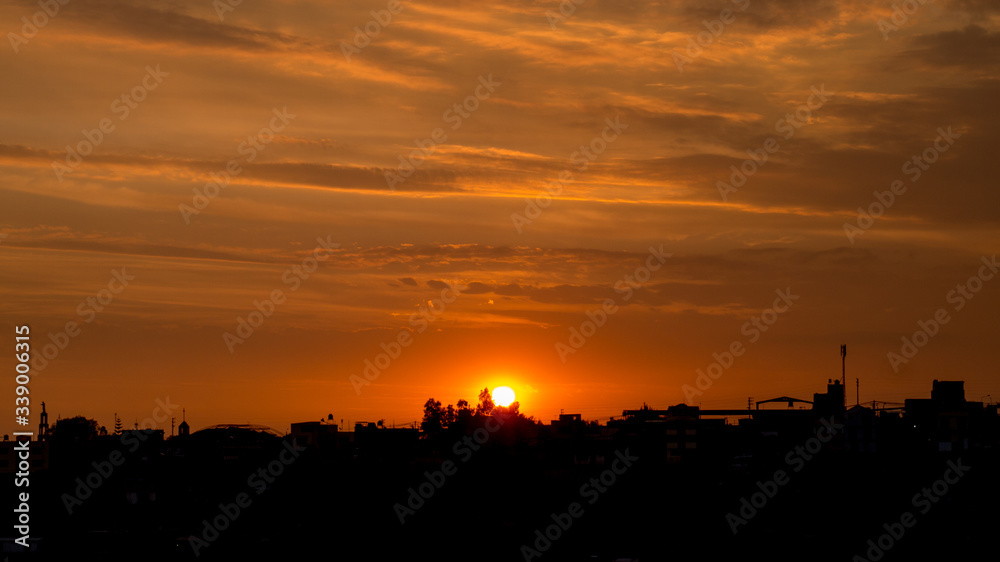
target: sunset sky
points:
(837, 102)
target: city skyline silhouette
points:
(528, 280)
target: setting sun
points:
(503, 396)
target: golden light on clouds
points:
(537, 147)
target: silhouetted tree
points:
(512, 410)
(433, 417)
(463, 412)
(486, 404)
(438, 419)
(76, 429)
(118, 424)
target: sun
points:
(503, 396)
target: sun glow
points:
(503, 396)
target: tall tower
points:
(843, 370)
(43, 424)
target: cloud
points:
(438, 285)
(973, 47)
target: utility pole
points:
(857, 390)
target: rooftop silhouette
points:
(470, 466)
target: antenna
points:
(843, 364)
(843, 370)
(857, 391)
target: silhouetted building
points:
(832, 402)
(568, 426)
(150, 441)
(183, 430)
(942, 423)
(43, 424)
(861, 433)
(314, 435)
(948, 394)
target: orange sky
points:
(504, 98)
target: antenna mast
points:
(843, 365)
